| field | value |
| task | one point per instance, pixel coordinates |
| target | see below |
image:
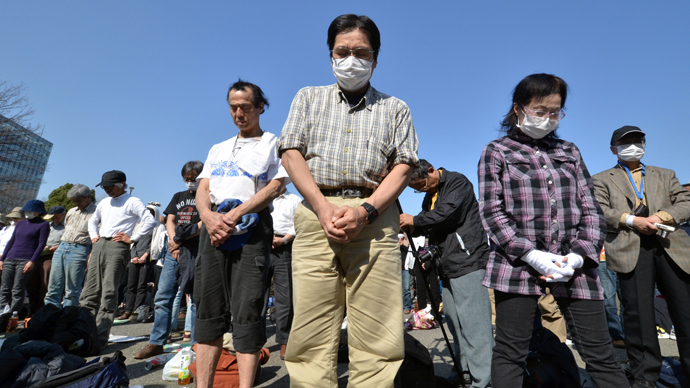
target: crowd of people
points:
(528, 245)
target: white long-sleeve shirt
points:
(283, 213)
(120, 214)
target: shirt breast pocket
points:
(519, 167)
(375, 162)
(565, 165)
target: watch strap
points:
(372, 213)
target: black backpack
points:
(417, 369)
(65, 327)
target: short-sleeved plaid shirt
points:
(539, 195)
(349, 146)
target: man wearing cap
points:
(349, 150)
(229, 273)
(638, 201)
(38, 281)
(117, 216)
(70, 257)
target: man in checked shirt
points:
(349, 149)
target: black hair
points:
(194, 165)
(257, 94)
(531, 87)
(349, 22)
(422, 170)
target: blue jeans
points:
(610, 284)
(165, 296)
(467, 307)
(189, 317)
(166, 310)
(67, 274)
(407, 298)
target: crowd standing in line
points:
(350, 151)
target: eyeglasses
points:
(539, 113)
(246, 108)
(189, 179)
(421, 190)
(359, 52)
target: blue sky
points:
(140, 86)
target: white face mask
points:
(631, 152)
(352, 73)
(192, 186)
(29, 215)
(537, 127)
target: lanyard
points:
(640, 194)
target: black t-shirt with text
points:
(183, 207)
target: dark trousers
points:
(233, 280)
(586, 320)
(137, 284)
(637, 294)
(37, 284)
(432, 277)
(281, 271)
(14, 282)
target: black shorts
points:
(236, 280)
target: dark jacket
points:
(455, 218)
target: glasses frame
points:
(426, 186)
(352, 52)
(552, 116)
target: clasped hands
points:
(341, 224)
(552, 267)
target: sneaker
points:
(187, 336)
(672, 334)
(661, 332)
(150, 350)
(406, 311)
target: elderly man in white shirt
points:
(281, 263)
(117, 216)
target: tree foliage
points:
(58, 197)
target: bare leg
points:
(207, 355)
(247, 364)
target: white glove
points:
(574, 260)
(561, 275)
(544, 263)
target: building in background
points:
(23, 160)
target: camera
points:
(431, 252)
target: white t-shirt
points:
(238, 168)
(120, 214)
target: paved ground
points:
(274, 373)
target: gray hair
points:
(79, 191)
(122, 185)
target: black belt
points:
(348, 192)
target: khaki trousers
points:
(551, 317)
(362, 276)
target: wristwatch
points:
(372, 213)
